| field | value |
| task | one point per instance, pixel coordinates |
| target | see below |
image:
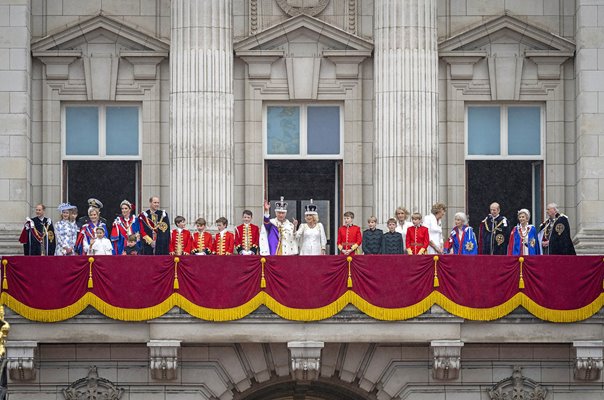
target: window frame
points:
(303, 154)
(504, 134)
(102, 131)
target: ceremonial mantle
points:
(462, 241)
(280, 237)
(557, 232)
(494, 235)
(38, 237)
(155, 231)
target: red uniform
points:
(202, 243)
(247, 238)
(349, 237)
(418, 240)
(180, 242)
(224, 245)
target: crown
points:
(281, 205)
(311, 208)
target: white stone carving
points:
(20, 357)
(202, 106)
(406, 105)
(93, 388)
(297, 7)
(305, 359)
(163, 359)
(447, 359)
(517, 387)
(589, 362)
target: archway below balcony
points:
(288, 389)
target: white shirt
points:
(311, 240)
(435, 230)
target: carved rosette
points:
(305, 360)
(307, 7)
(517, 387)
(93, 388)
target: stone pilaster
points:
(305, 359)
(201, 95)
(15, 113)
(589, 79)
(406, 106)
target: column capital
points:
(447, 359)
(589, 361)
(305, 359)
(163, 359)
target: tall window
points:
(102, 131)
(303, 131)
(101, 149)
(504, 159)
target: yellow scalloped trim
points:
(296, 314)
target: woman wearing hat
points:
(125, 225)
(66, 231)
(311, 235)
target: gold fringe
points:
(223, 314)
(547, 314)
(311, 314)
(262, 279)
(36, 314)
(349, 283)
(391, 314)
(90, 284)
(4, 280)
(436, 282)
(478, 314)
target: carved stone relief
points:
(517, 387)
(93, 388)
(297, 7)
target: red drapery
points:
(306, 288)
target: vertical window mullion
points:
(102, 133)
(303, 130)
(503, 134)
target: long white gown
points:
(311, 240)
(436, 232)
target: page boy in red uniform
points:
(224, 242)
(349, 235)
(202, 240)
(180, 240)
(418, 237)
(247, 235)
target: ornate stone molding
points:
(305, 359)
(93, 388)
(517, 387)
(347, 61)
(144, 62)
(20, 356)
(259, 62)
(447, 359)
(163, 359)
(589, 361)
(253, 17)
(548, 63)
(462, 63)
(308, 7)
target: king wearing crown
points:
(278, 233)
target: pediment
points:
(100, 29)
(303, 29)
(507, 30)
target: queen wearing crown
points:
(278, 236)
(311, 235)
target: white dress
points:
(435, 230)
(403, 230)
(311, 240)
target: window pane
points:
(524, 130)
(323, 130)
(283, 130)
(122, 131)
(483, 131)
(82, 131)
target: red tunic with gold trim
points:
(418, 240)
(247, 239)
(224, 244)
(202, 243)
(349, 237)
(180, 242)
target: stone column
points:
(406, 106)
(201, 95)
(15, 115)
(589, 80)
